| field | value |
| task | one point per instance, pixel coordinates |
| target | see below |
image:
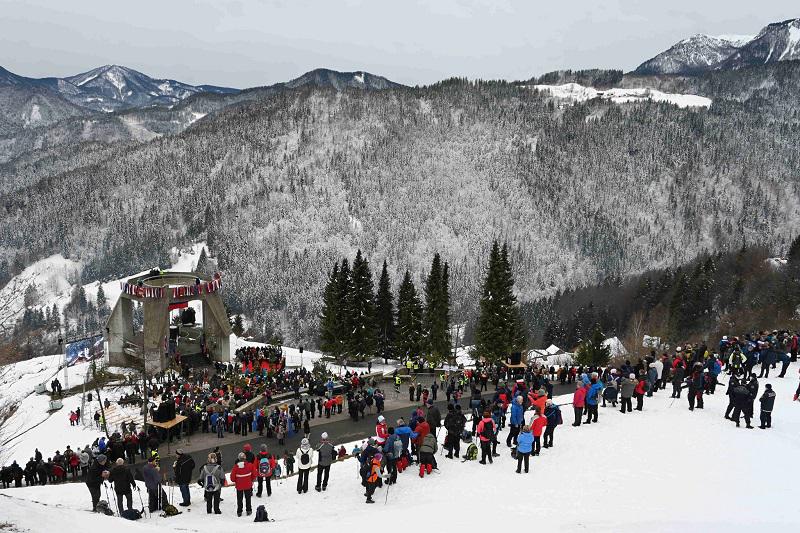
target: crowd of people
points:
(523, 404)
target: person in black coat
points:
(767, 403)
(95, 476)
(183, 468)
(733, 382)
(741, 403)
(122, 480)
(677, 380)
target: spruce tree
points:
(328, 319)
(362, 342)
(678, 307)
(409, 336)
(500, 330)
(344, 323)
(384, 315)
(592, 351)
(436, 321)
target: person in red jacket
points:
(381, 431)
(243, 474)
(639, 392)
(578, 402)
(422, 429)
(486, 431)
(537, 427)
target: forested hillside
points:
(287, 184)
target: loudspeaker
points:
(515, 358)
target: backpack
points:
(210, 482)
(102, 507)
(170, 510)
(488, 430)
(261, 515)
(472, 452)
(466, 436)
(131, 514)
(264, 470)
(364, 470)
(305, 458)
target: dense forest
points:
(726, 293)
(285, 185)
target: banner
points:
(84, 350)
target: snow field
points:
(663, 469)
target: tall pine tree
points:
(500, 331)
(409, 335)
(437, 314)
(384, 315)
(329, 334)
(361, 342)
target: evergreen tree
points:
(344, 314)
(362, 342)
(55, 317)
(384, 315)
(436, 318)
(329, 334)
(409, 335)
(592, 351)
(101, 298)
(678, 308)
(238, 325)
(500, 330)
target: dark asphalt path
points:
(341, 429)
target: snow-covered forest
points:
(283, 186)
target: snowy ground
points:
(32, 425)
(574, 92)
(664, 469)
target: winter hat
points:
(304, 442)
(179, 451)
(381, 418)
(324, 435)
(768, 386)
(247, 447)
(120, 461)
(450, 407)
(632, 376)
(242, 456)
(151, 459)
(401, 422)
(613, 370)
(263, 447)
(378, 456)
(101, 459)
(371, 441)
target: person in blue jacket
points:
(517, 420)
(524, 448)
(405, 434)
(592, 397)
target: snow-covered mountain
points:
(698, 53)
(779, 41)
(323, 77)
(112, 88)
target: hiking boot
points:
(317, 488)
(183, 504)
(429, 469)
(370, 500)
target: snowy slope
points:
(779, 41)
(665, 469)
(574, 92)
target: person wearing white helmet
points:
(381, 431)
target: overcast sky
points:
(258, 42)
